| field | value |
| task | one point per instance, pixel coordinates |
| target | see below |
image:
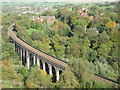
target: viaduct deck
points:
(30, 48)
(50, 58)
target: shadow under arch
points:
(46, 68)
(41, 64)
(31, 59)
(60, 72)
(23, 57)
(54, 74)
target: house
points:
(80, 11)
(83, 13)
(85, 10)
(50, 19)
(37, 12)
(102, 14)
(94, 29)
(34, 17)
(91, 18)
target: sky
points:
(58, 0)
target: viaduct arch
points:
(30, 56)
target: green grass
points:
(50, 24)
(89, 5)
(29, 31)
(107, 7)
(11, 84)
(49, 4)
(102, 7)
(36, 4)
(70, 9)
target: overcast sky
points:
(59, 0)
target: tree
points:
(66, 31)
(17, 26)
(8, 19)
(86, 42)
(75, 50)
(111, 25)
(38, 79)
(113, 57)
(72, 47)
(9, 71)
(93, 56)
(22, 33)
(92, 34)
(93, 37)
(103, 38)
(62, 29)
(4, 32)
(36, 35)
(104, 48)
(24, 71)
(80, 22)
(100, 84)
(76, 7)
(114, 35)
(64, 14)
(93, 10)
(113, 16)
(59, 50)
(73, 19)
(81, 69)
(42, 45)
(104, 69)
(85, 52)
(49, 12)
(8, 51)
(33, 24)
(25, 22)
(79, 31)
(65, 79)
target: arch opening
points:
(46, 68)
(54, 74)
(25, 57)
(60, 72)
(31, 59)
(41, 65)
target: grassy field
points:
(29, 31)
(11, 84)
(36, 4)
(48, 4)
(106, 7)
(102, 7)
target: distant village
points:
(83, 12)
(31, 10)
(49, 19)
(35, 14)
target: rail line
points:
(38, 52)
(50, 57)
(105, 79)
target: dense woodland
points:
(89, 46)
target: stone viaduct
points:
(30, 56)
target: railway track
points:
(51, 58)
(105, 79)
(36, 51)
